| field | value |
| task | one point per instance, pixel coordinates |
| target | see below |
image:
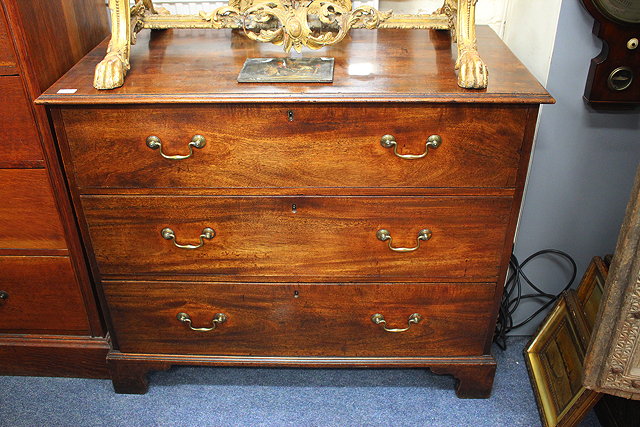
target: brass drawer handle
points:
(384, 235)
(197, 141)
(378, 319)
(207, 233)
(218, 319)
(388, 141)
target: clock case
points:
(615, 54)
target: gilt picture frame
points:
(555, 358)
(591, 290)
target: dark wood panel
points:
(307, 191)
(614, 411)
(41, 295)
(53, 356)
(324, 145)
(19, 138)
(319, 239)
(529, 125)
(50, 36)
(34, 252)
(300, 319)
(72, 28)
(474, 374)
(202, 66)
(28, 216)
(26, 164)
(8, 64)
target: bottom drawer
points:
(300, 319)
(40, 294)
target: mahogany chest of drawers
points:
(363, 223)
(50, 323)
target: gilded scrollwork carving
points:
(293, 25)
(320, 23)
(625, 346)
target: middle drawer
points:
(311, 238)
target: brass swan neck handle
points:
(198, 141)
(388, 141)
(218, 319)
(384, 235)
(378, 319)
(169, 234)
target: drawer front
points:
(299, 238)
(19, 140)
(28, 215)
(300, 319)
(40, 295)
(295, 146)
(8, 63)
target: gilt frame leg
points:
(473, 73)
(111, 70)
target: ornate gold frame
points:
(292, 29)
(554, 357)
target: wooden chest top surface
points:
(201, 66)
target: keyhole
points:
(296, 294)
(294, 208)
(290, 115)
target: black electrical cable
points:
(513, 294)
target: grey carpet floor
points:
(188, 396)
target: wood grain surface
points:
(8, 63)
(28, 216)
(326, 238)
(299, 319)
(50, 36)
(322, 145)
(57, 33)
(474, 374)
(295, 184)
(19, 138)
(201, 66)
(43, 296)
(53, 355)
(50, 322)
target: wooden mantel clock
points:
(614, 76)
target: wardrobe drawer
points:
(28, 215)
(40, 294)
(298, 238)
(8, 63)
(300, 319)
(19, 139)
(295, 146)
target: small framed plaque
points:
(287, 70)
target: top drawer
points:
(8, 63)
(295, 146)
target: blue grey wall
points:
(583, 165)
